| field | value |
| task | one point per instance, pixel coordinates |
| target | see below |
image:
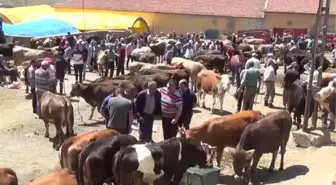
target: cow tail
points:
(64, 153)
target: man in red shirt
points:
(121, 59)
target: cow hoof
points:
(281, 168)
(46, 135)
(221, 111)
(57, 147)
(270, 170)
(203, 105)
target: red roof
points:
(297, 6)
(232, 8)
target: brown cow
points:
(208, 82)
(177, 74)
(59, 177)
(58, 110)
(8, 177)
(264, 136)
(72, 147)
(222, 131)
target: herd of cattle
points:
(105, 156)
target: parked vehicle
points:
(257, 33)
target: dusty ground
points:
(24, 148)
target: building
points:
(294, 14)
(221, 16)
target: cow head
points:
(241, 159)
(21, 73)
(324, 93)
(76, 89)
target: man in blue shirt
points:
(104, 109)
(189, 100)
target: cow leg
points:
(213, 103)
(199, 94)
(255, 161)
(27, 90)
(274, 156)
(59, 135)
(203, 97)
(221, 99)
(92, 111)
(219, 154)
(46, 124)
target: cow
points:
(326, 97)
(71, 148)
(207, 52)
(264, 136)
(208, 82)
(95, 92)
(7, 49)
(158, 49)
(139, 51)
(96, 160)
(58, 177)
(177, 74)
(223, 131)
(213, 62)
(136, 66)
(147, 58)
(297, 100)
(21, 54)
(162, 163)
(8, 177)
(58, 110)
(192, 67)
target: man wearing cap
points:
(42, 82)
(171, 106)
(189, 100)
(31, 80)
(254, 60)
(250, 81)
(269, 81)
(60, 66)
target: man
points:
(60, 66)
(85, 56)
(5, 70)
(254, 60)
(42, 82)
(52, 73)
(269, 81)
(67, 55)
(169, 54)
(332, 123)
(31, 80)
(129, 48)
(147, 103)
(171, 106)
(290, 77)
(250, 81)
(71, 40)
(104, 109)
(121, 60)
(240, 91)
(120, 113)
(110, 60)
(90, 56)
(189, 100)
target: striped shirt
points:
(170, 102)
(42, 80)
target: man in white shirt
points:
(269, 81)
(254, 60)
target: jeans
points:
(34, 100)
(146, 127)
(109, 66)
(79, 72)
(169, 129)
(185, 119)
(120, 67)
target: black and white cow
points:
(159, 163)
(95, 161)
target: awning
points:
(23, 14)
(90, 19)
(40, 28)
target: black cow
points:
(264, 136)
(211, 61)
(7, 49)
(96, 160)
(159, 163)
(297, 100)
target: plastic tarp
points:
(27, 13)
(91, 19)
(40, 28)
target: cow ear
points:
(230, 150)
(249, 154)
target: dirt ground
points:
(24, 148)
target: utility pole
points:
(326, 10)
(313, 64)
